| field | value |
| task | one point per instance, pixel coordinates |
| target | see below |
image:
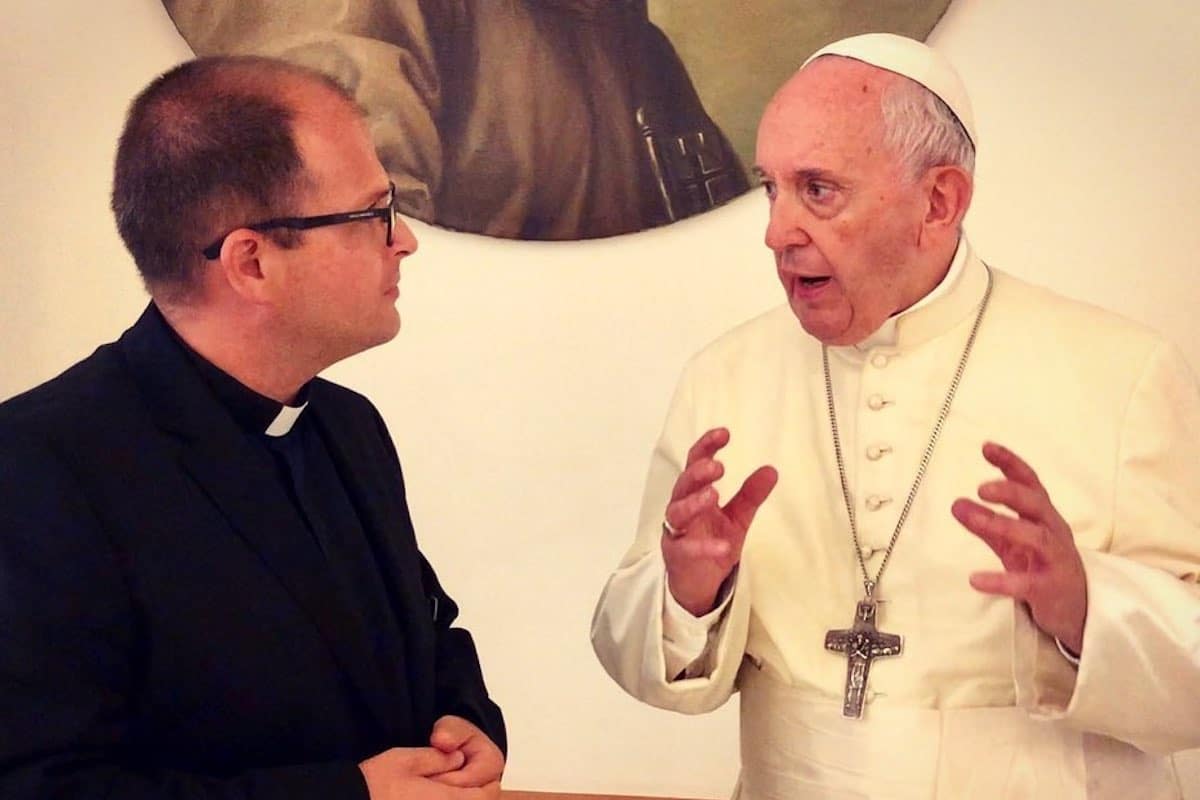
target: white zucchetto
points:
(912, 59)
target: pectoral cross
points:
(862, 643)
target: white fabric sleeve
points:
(686, 638)
(627, 627)
(1140, 661)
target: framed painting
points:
(553, 119)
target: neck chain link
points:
(870, 584)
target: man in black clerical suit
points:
(209, 582)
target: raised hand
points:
(702, 540)
(1042, 566)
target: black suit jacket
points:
(168, 627)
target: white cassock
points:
(981, 704)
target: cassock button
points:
(879, 360)
(876, 451)
(876, 402)
(877, 501)
(867, 551)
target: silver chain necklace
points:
(863, 642)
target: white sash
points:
(797, 746)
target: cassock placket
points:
(321, 497)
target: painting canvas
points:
(553, 119)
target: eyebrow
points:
(811, 173)
(375, 198)
(800, 175)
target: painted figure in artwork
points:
(568, 119)
(551, 119)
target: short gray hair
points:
(920, 129)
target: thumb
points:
(427, 761)
(450, 733)
(742, 507)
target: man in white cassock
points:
(808, 538)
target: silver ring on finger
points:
(670, 530)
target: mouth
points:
(810, 288)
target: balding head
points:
(928, 118)
(208, 146)
(917, 126)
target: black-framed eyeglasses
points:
(387, 213)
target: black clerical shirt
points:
(307, 470)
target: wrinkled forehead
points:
(832, 97)
(834, 83)
(915, 61)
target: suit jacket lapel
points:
(365, 459)
(241, 480)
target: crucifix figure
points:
(862, 643)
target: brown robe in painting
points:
(534, 119)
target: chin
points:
(823, 330)
(389, 325)
(367, 338)
(835, 331)
(384, 335)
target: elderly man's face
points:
(845, 218)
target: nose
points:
(404, 241)
(786, 224)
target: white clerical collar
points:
(285, 419)
(885, 335)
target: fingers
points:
(489, 792)
(707, 445)
(1017, 585)
(1011, 465)
(1032, 504)
(1022, 491)
(699, 474)
(1043, 568)
(429, 761)
(698, 548)
(483, 761)
(742, 507)
(1019, 544)
(680, 513)
(693, 492)
(416, 761)
(686, 505)
(475, 773)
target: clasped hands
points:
(702, 539)
(461, 763)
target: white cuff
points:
(685, 637)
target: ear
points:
(242, 265)
(948, 190)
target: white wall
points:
(528, 384)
